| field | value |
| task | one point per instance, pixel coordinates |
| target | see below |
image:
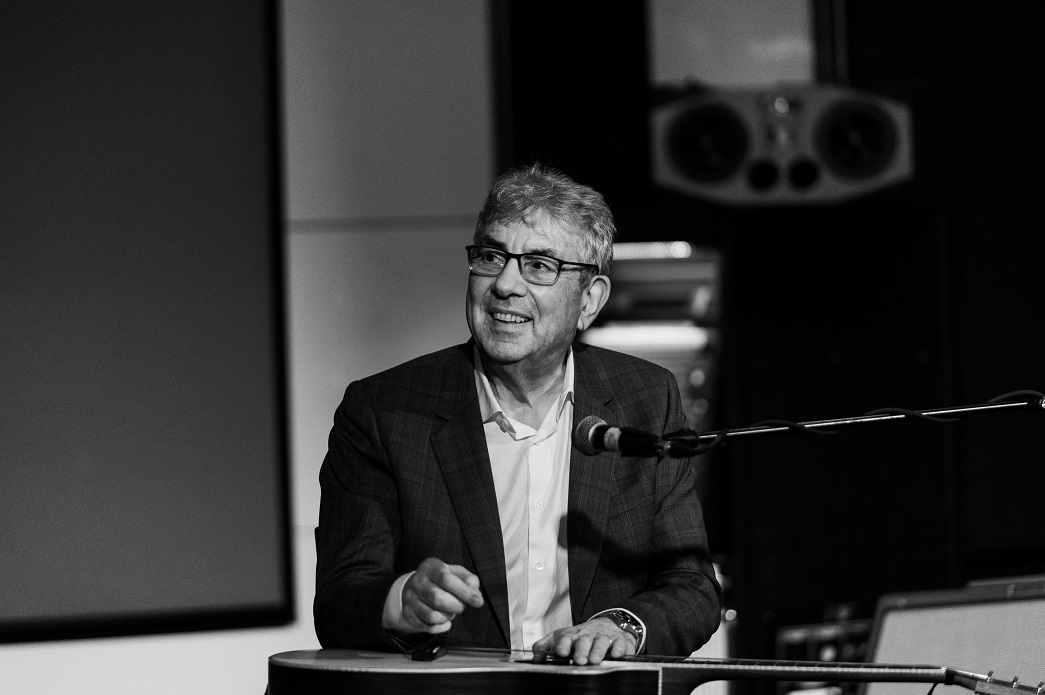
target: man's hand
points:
(589, 642)
(437, 593)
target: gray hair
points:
(520, 195)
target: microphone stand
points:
(686, 443)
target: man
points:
(454, 505)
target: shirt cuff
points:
(392, 617)
(642, 642)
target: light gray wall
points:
(389, 156)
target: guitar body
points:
(497, 672)
(348, 672)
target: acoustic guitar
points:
(502, 672)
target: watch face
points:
(626, 622)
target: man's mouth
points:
(509, 318)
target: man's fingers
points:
(581, 649)
(590, 642)
(426, 619)
(420, 589)
(463, 584)
(599, 648)
(619, 649)
(427, 606)
(564, 646)
(437, 592)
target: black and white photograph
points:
(653, 347)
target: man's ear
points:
(593, 299)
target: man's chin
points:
(502, 351)
(502, 355)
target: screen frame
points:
(258, 55)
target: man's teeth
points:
(510, 318)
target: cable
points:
(914, 414)
(1019, 394)
(793, 426)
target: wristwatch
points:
(625, 621)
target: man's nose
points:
(510, 279)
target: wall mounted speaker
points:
(791, 145)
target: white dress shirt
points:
(531, 473)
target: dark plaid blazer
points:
(407, 476)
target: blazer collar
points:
(460, 448)
(591, 477)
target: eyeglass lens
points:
(541, 270)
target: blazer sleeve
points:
(677, 595)
(358, 530)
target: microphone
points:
(594, 434)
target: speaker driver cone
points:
(708, 143)
(855, 139)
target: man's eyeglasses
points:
(534, 267)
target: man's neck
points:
(524, 393)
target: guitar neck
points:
(704, 670)
(693, 672)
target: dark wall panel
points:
(966, 68)
(142, 441)
(831, 314)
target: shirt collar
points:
(491, 410)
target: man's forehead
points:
(542, 232)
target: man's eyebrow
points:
(491, 242)
(494, 244)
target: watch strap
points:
(627, 621)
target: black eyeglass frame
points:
(520, 256)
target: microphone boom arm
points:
(686, 443)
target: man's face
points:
(516, 322)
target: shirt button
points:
(539, 566)
(541, 504)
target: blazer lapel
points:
(590, 480)
(460, 448)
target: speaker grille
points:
(708, 143)
(855, 139)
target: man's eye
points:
(540, 265)
(490, 257)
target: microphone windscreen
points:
(582, 434)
